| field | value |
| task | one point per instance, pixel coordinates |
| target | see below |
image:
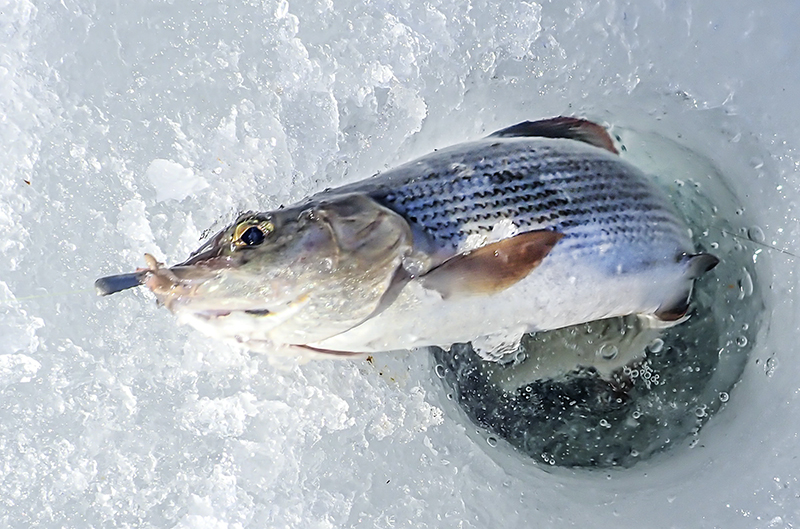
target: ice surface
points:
(110, 415)
(173, 181)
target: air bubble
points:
(700, 411)
(604, 423)
(491, 441)
(756, 234)
(741, 341)
(723, 397)
(439, 370)
(656, 346)
(608, 351)
(745, 285)
(770, 366)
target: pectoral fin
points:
(561, 127)
(491, 268)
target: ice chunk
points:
(172, 181)
(17, 368)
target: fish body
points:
(537, 227)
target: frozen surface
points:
(132, 127)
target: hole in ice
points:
(580, 417)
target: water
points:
(110, 415)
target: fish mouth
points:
(197, 287)
(192, 288)
(201, 264)
(161, 279)
(177, 285)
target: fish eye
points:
(251, 233)
(252, 236)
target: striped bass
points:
(537, 227)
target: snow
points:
(132, 127)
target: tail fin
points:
(699, 263)
(673, 311)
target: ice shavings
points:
(414, 416)
(172, 181)
(15, 368)
(20, 340)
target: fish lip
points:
(174, 284)
(211, 314)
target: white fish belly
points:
(557, 294)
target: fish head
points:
(291, 276)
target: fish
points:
(538, 226)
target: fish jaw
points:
(197, 287)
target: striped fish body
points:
(456, 197)
(624, 250)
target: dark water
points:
(683, 375)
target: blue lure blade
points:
(116, 283)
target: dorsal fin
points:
(561, 127)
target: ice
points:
(111, 415)
(173, 181)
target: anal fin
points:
(491, 268)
